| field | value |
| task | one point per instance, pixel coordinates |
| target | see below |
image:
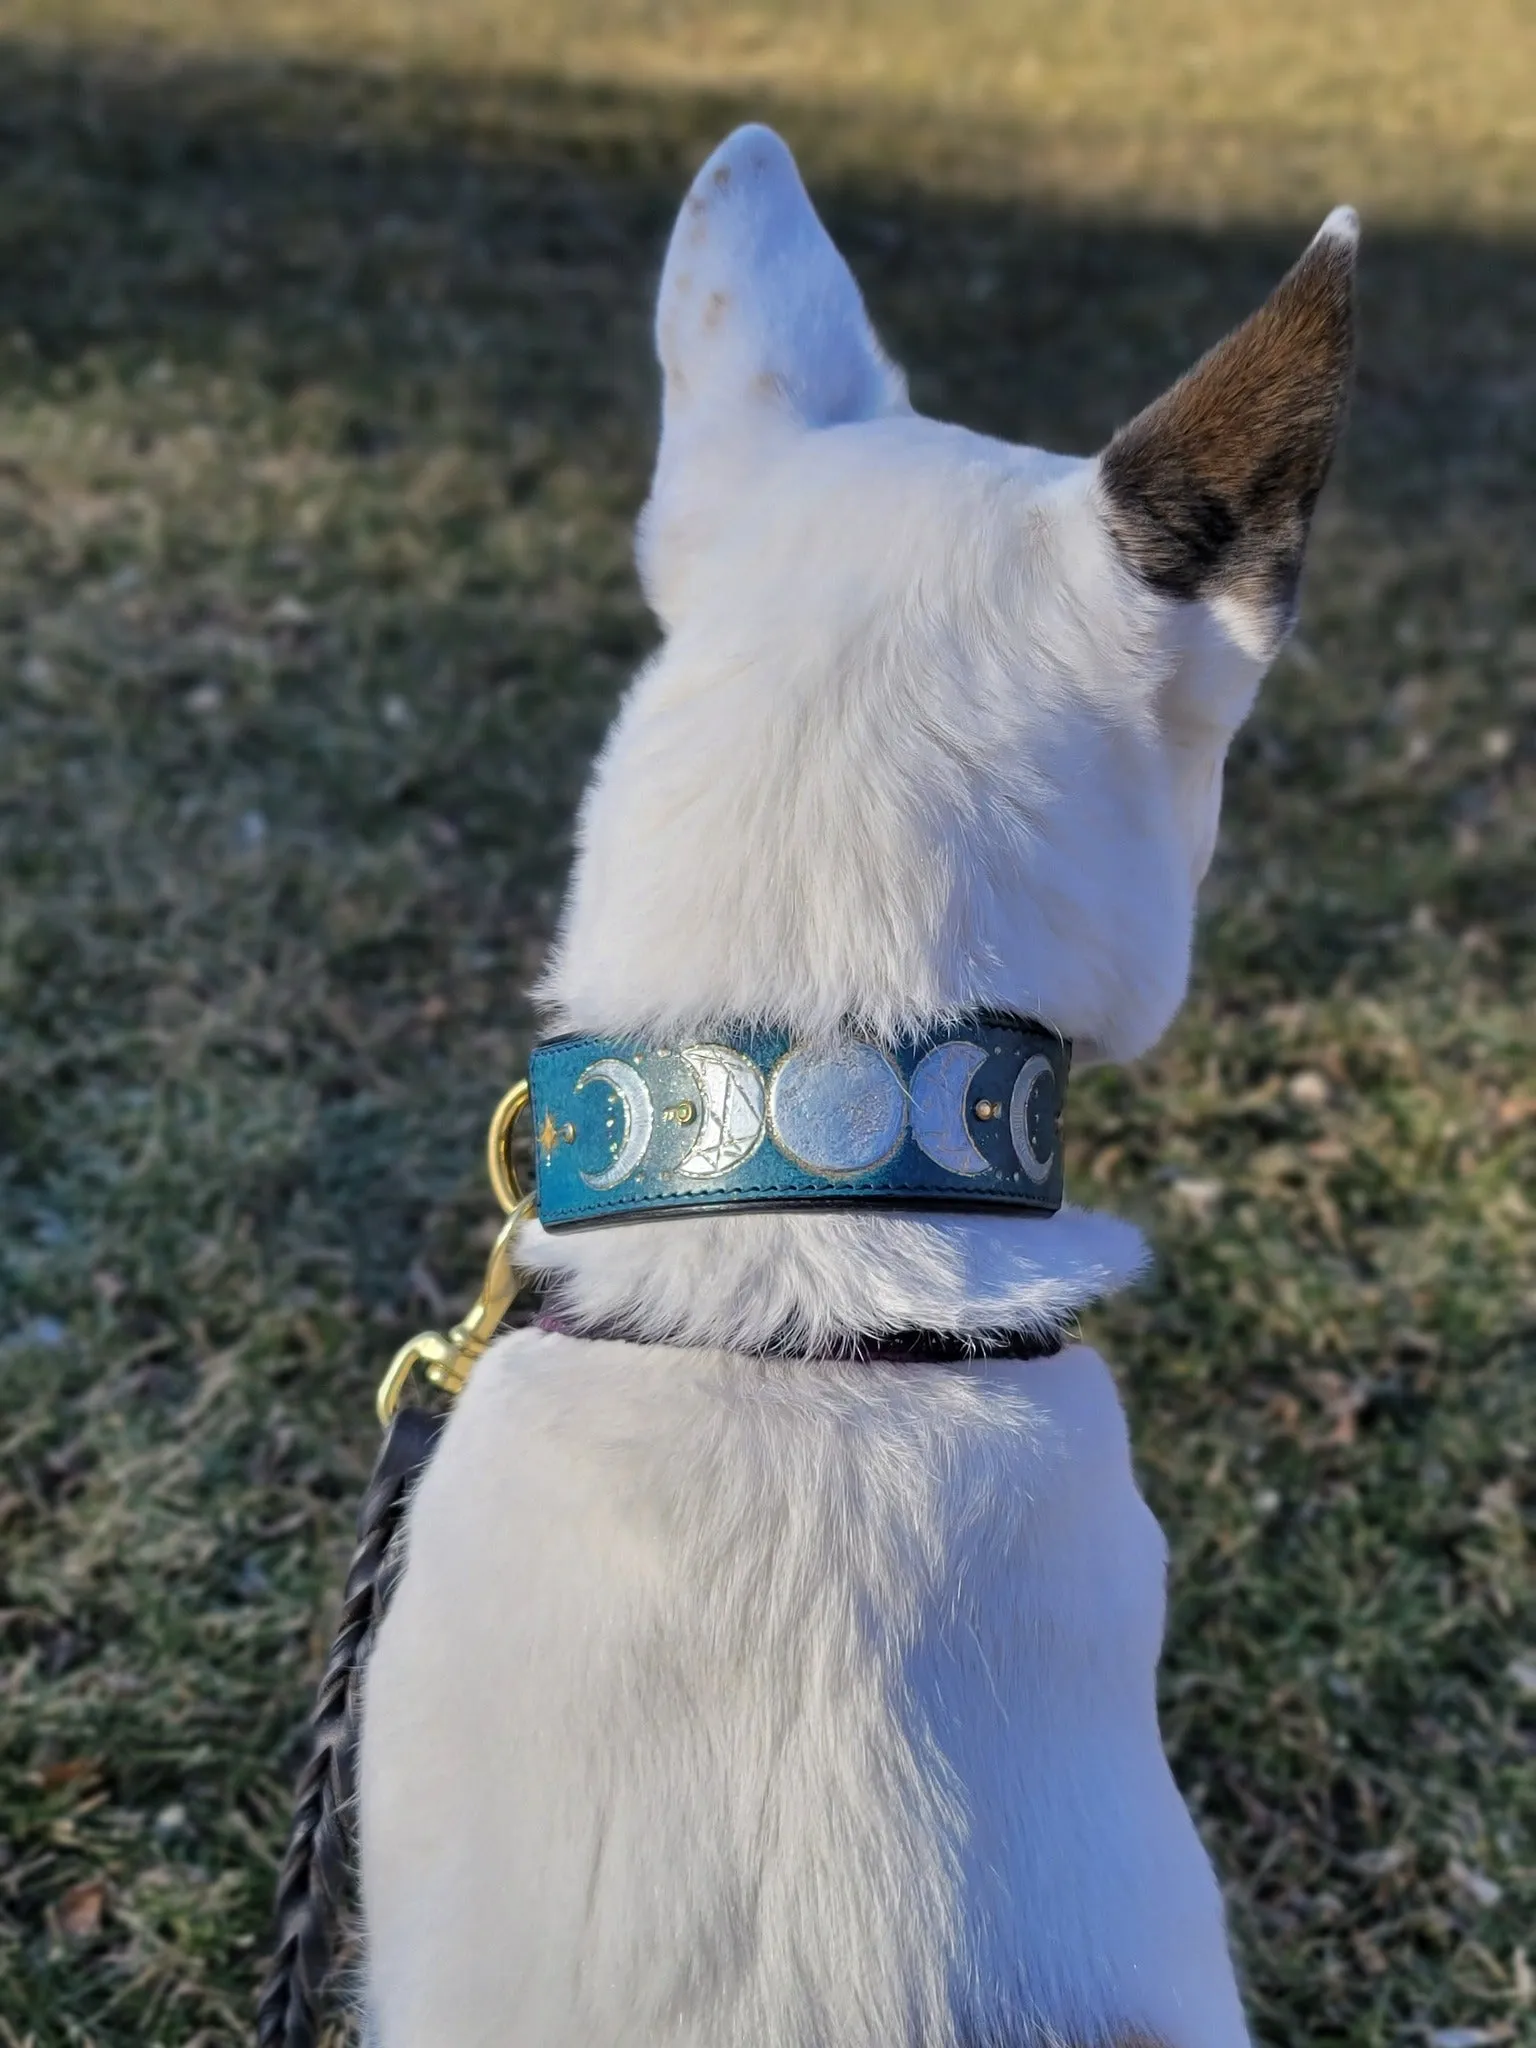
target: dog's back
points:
(731, 1704)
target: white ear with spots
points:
(762, 335)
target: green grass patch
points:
(325, 406)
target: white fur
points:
(813, 1706)
(745, 1706)
(735, 1281)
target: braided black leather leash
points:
(313, 1886)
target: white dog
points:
(733, 1699)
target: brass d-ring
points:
(498, 1147)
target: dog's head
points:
(938, 721)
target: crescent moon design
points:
(939, 1086)
(639, 1119)
(731, 1111)
(1030, 1075)
(839, 1112)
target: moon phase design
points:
(1033, 1071)
(730, 1114)
(839, 1112)
(939, 1085)
(639, 1119)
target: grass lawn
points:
(325, 405)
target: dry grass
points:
(324, 405)
(1181, 105)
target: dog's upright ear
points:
(1209, 493)
(762, 335)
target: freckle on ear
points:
(714, 308)
(723, 176)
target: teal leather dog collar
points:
(966, 1116)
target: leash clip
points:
(448, 1359)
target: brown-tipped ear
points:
(1210, 491)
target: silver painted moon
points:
(837, 1112)
(940, 1083)
(1036, 1167)
(639, 1119)
(731, 1111)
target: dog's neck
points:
(735, 1266)
(763, 1251)
(801, 834)
(802, 888)
(751, 1281)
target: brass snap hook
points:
(447, 1360)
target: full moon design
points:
(840, 1112)
(730, 1113)
(939, 1085)
(639, 1119)
(1033, 1071)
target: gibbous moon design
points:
(840, 1112)
(1030, 1075)
(730, 1113)
(639, 1119)
(939, 1085)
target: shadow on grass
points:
(296, 224)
